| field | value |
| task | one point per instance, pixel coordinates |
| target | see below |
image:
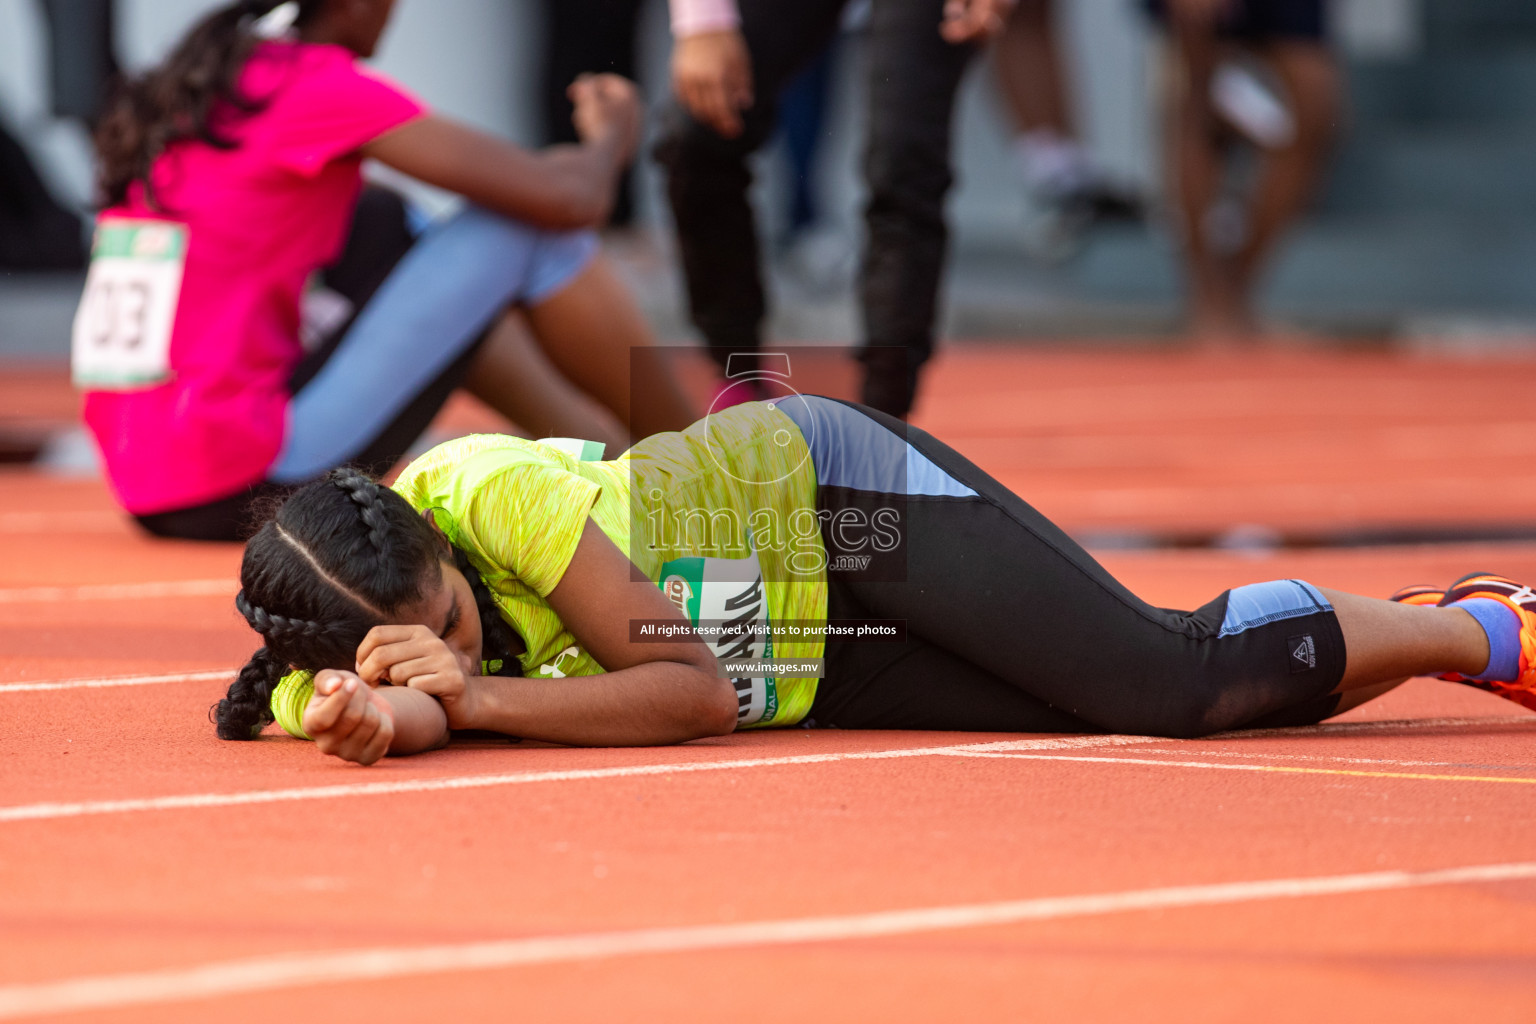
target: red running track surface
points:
(1377, 867)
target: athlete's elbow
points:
(714, 709)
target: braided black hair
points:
(194, 94)
(339, 557)
(248, 705)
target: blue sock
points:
(1502, 625)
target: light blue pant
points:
(436, 303)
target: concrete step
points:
(36, 312)
(1457, 22)
(1410, 267)
(1367, 274)
(1493, 81)
(1466, 170)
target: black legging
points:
(1013, 627)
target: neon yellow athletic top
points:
(722, 516)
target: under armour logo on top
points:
(556, 667)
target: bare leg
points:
(512, 376)
(1388, 642)
(1029, 70)
(1218, 309)
(590, 330)
(1289, 176)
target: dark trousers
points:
(587, 36)
(912, 77)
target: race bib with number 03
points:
(122, 332)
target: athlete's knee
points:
(1251, 651)
(482, 243)
(474, 227)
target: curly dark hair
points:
(194, 94)
(341, 556)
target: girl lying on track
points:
(232, 173)
(504, 585)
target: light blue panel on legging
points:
(1259, 604)
(436, 302)
(851, 449)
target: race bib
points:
(725, 597)
(122, 332)
(576, 448)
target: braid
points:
(274, 627)
(341, 556)
(385, 558)
(365, 493)
(247, 707)
(498, 640)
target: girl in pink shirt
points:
(232, 173)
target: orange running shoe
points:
(1521, 600)
(1419, 593)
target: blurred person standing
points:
(1226, 239)
(730, 61)
(810, 245)
(1067, 190)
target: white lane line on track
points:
(45, 811)
(1277, 769)
(118, 591)
(1378, 725)
(38, 812)
(293, 970)
(92, 684)
(1333, 759)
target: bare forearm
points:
(420, 722)
(651, 704)
(559, 188)
(589, 173)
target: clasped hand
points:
(348, 717)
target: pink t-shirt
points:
(260, 219)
